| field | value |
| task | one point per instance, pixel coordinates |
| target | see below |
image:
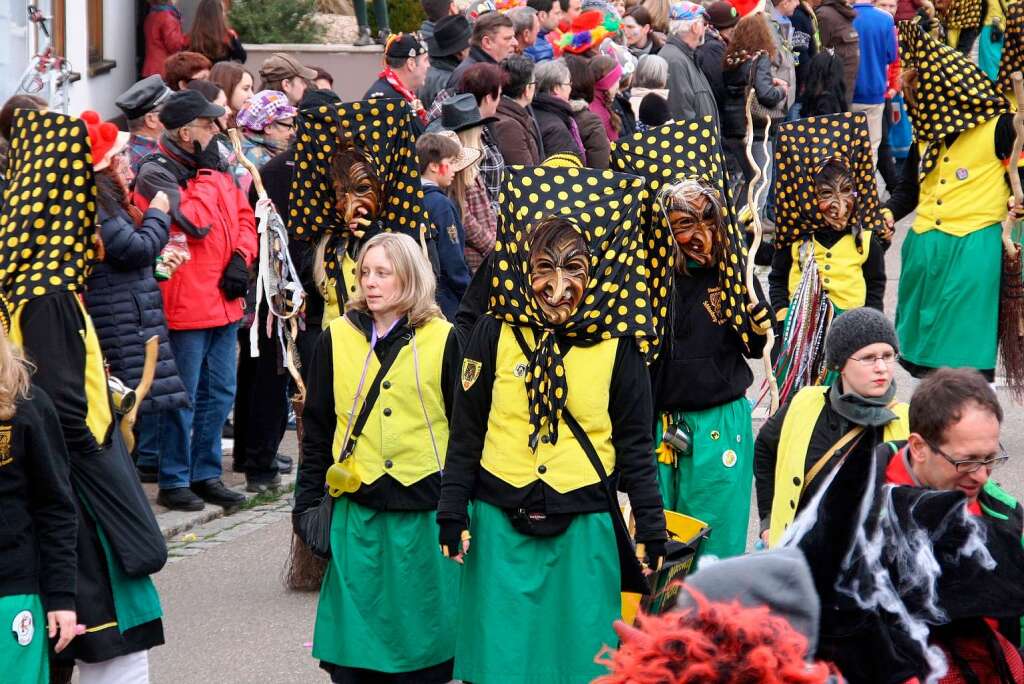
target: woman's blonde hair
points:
(15, 377)
(415, 278)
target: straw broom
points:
(1011, 295)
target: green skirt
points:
(387, 602)
(537, 610)
(28, 663)
(948, 309)
(714, 484)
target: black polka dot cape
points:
(690, 149)
(962, 14)
(1013, 47)
(801, 147)
(381, 129)
(607, 209)
(953, 94)
(48, 219)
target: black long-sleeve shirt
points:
(319, 420)
(629, 406)
(873, 269)
(703, 362)
(37, 542)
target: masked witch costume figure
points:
(554, 400)
(355, 176)
(703, 418)
(828, 256)
(380, 392)
(47, 233)
(947, 312)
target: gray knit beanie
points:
(856, 329)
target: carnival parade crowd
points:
(512, 299)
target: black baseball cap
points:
(185, 106)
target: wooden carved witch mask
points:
(694, 211)
(559, 268)
(358, 191)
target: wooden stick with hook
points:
(755, 189)
(1018, 145)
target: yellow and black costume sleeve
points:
(675, 152)
(47, 231)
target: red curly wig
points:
(712, 643)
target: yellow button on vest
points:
(387, 412)
(542, 469)
(386, 384)
(938, 201)
(828, 267)
(828, 255)
(388, 463)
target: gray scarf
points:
(869, 412)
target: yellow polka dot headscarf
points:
(48, 218)
(381, 130)
(690, 149)
(1013, 47)
(607, 209)
(962, 14)
(953, 94)
(801, 147)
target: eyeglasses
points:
(972, 465)
(888, 358)
(282, 124)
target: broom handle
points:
(1012, 172)
(752, 195)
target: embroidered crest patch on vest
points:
(5, 445)
(470, 372)
(713, 305)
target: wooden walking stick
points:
(755, 189)
(1011, 295)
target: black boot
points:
(364, 37)
(383, 35)
(180, 499)
(213, 491)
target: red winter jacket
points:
(193, 299)
(164, 37)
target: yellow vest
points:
(332, 308)
(794, 441)
(395, 439)
(841, 269)
(99, 417)
(563, 466)
(965, 192)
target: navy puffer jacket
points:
(124, 302)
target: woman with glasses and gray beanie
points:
(823, 425)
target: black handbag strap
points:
(580, 434)
(373, 392)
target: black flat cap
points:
(185, 106)
(143, 97)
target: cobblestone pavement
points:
(227, 529)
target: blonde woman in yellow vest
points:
(387, 603)
(821, 426)
(541, 573)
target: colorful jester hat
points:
(381, 130)
(586, 32)
(607, 209)
(675, 152)
(952, 94)
(48, 218)
(1013, 48)
(802, 147)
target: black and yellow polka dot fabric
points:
(801, 147)
(607, 208)
(48, 219)
(1013, 47)
(381, 129)
(962, 14)
(690, 149)
(952, 94)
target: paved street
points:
(230, 620)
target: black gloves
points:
(653, 553)
(209, 157)
(235, 281)
(450, 537)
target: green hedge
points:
(275, 21)
(405, 15)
